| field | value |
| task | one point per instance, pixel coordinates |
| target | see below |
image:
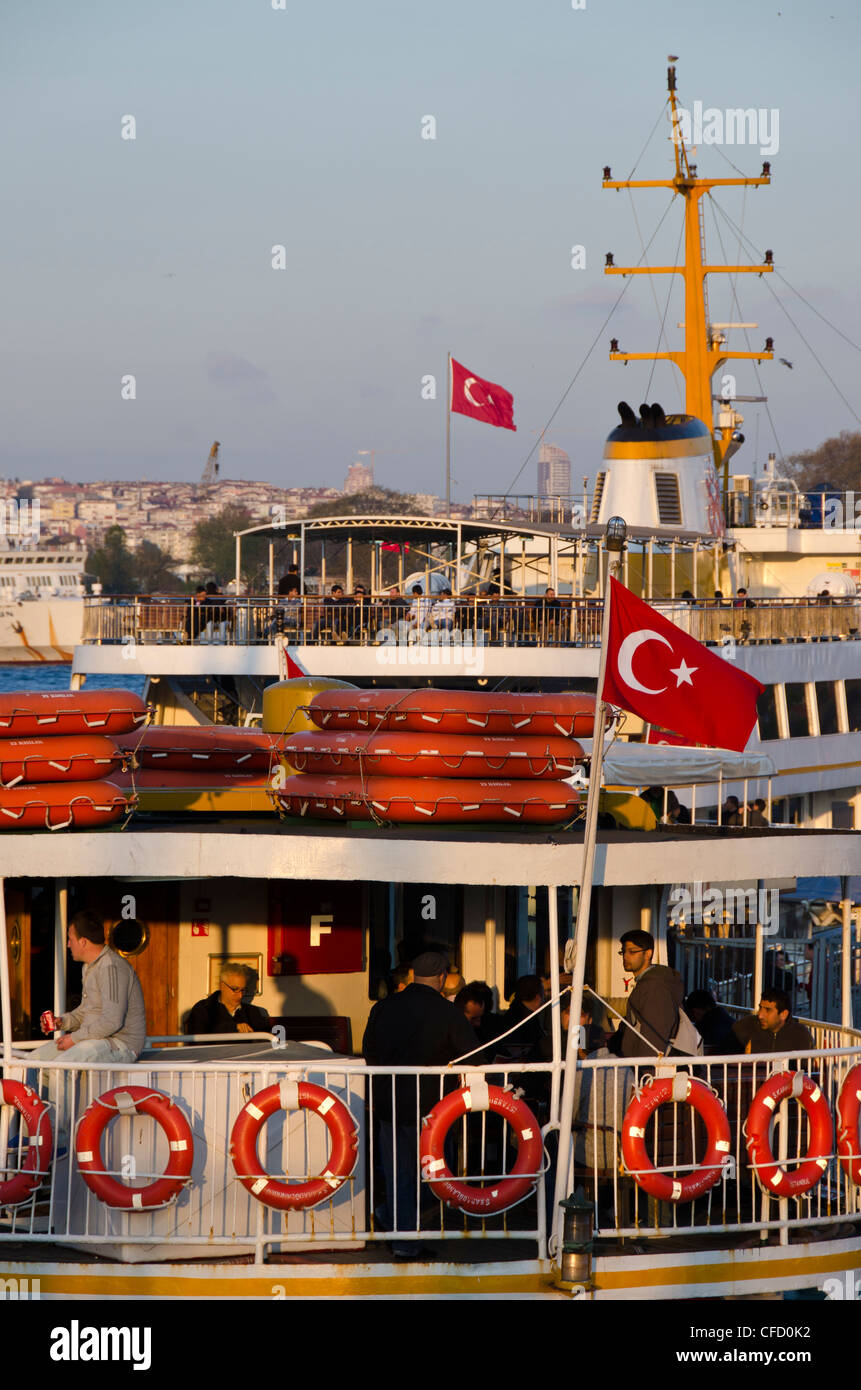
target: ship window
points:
(842, 815)
(597, 495)
(853, 705)
(766, 713)
(129, 937)
(826, 703)
(796, 710)
(669, 501)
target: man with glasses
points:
(225, 1010)
(653, 1005)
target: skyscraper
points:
(360, 477)
(554, 472)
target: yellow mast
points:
(704, 352)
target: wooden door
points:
(156, 907)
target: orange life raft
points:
(424, 800)
(56, 805)
(78, 758)
(215, 747)
(24, 714)
(455, 712)
(431, 754)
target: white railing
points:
(216, 1215)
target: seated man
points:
(225, 1010)
(772, 1028)
(109, 1024)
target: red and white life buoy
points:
(293, 1095)
(774, 1180)
(37, 1164)
(848, 1134)
(134, 1100)
(660, 1091)
(481, 1201)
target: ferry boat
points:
(320, 912)
(41, 601)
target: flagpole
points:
(448, 440)
(616, 531)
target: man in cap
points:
(416, 1027)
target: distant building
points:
(360, 477)
(554, 472)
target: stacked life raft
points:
(59, 763)
(431, 755)
(209, 768)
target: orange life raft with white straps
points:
(34, 1113)
(63, 758)
(202, 748)
(293, 1095)
(59, 805)
(429, 800)
(660, 1091)
(432, 754)
(134, 1100)
(501, 1193)
(774, 1179)
(25, 714)
(455, 712)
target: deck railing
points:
(215, 1214)
(487, 622)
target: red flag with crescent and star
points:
(665, 676)
(479, 399)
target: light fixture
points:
(616, 533)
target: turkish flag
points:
(659, 672)
(480, 399)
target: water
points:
(57, 677)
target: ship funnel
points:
(626, 414)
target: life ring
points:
(481, 1201)
(686, 1088)
(293, 1095)
(848, 1136)
(772, 1178)
(34, 1113)
(134, 1100)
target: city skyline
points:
(274, 224)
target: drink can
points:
(48, 1022)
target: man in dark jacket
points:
(416, 1027)
(772, 1028)
(653, 1004)
(225, 1011)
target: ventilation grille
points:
(669, 502)
(597, 495)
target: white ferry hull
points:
(40, 630)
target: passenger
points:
(653, 1004)
(713, 1022)
(194, 616)
(109, 1024)
(454, 983)
(756, 814)
(419, 612)
(414, 1028)
(731, 813)
(472, 1002)
(527, 999)
(441, 617)
(225, 1010)
(772, 1028)
(402, 975)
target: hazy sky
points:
(302, 127)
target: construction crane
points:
(210, 472)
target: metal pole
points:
(61, 923)
(448, 440)
(846, 958)
(271, 568)
(302, 558)
(456, 584)
(238, 555)
(5, 987)
(581, 934)
(349, 564)
(555, 1008)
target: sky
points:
(301, 127)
